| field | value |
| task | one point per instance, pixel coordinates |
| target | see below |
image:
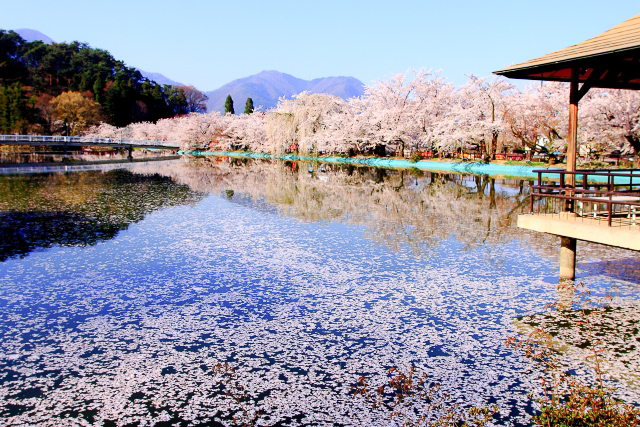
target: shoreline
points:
(479, 168)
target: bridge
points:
(101, 165)
(85, 141)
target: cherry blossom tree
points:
(281, 131)
(537, 117)
(612, 120)
(389, 108)
(299, 124)
(347, 130)
(435, 99)
(485, 102)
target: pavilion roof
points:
(610, 60)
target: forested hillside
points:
(36, 78)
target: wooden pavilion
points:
(610, 60)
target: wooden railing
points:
(585, 192)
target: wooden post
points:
(572, 137)
(567, 258)
(575, 95)
(568, 244)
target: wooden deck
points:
(622, 233)
(599, 206)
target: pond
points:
(121, 289)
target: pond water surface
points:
(121, 289)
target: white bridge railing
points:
(34, 168)
(84, 140)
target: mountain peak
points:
(266, 87)
(30, 35)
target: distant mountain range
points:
(266, 87)
(263, 88)
(159, 78)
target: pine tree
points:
(5, 115)
(248, 107)
(228, 106)
(98, 89)
(13, 109)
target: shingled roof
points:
(610, 60)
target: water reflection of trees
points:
(397, 207)
(79, 209)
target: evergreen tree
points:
(5, 111)
(14, 112)
(228, 106)
(98, 89)
(248, 107)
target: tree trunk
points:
(492, 194)
(479, 186)
(635, 143)
(494, 144)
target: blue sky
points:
(209, 43)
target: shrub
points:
(415, 157)
(566, 400)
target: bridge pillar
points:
(130, 150)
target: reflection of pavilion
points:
(610, 60)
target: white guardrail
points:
(85, 140)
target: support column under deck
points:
(567, 258)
